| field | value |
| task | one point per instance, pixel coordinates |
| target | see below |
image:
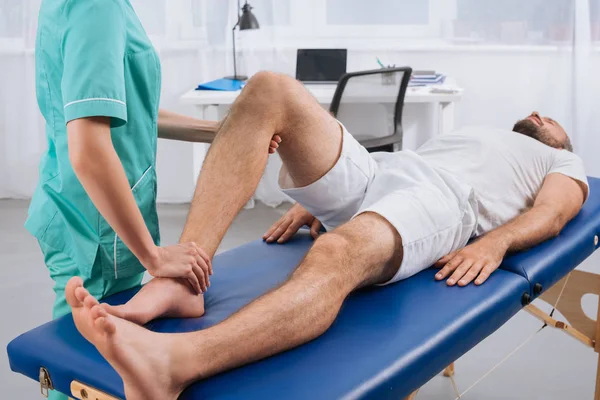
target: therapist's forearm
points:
(181, 127)
(101, 173)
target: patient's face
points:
(544, 129)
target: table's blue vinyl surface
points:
(385, 343)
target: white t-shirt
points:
(505, 169)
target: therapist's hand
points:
(185, 260)
(274, 145)
(288, 225)
(476, 262)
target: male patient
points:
(388, 216)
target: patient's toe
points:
(71, 289)
(105, 324)
(89, 301)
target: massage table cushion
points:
(385, 343)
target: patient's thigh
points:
(374, 248)
(311, 137)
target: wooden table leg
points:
(412, 396)
(449, 371)
(597, 349)
(597, 393)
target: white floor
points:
(551, 366)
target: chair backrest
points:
(365, 101)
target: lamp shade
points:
(248, 20)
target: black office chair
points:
(386, 83)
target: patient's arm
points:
(287, 226)
(558, 201)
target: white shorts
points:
(433, 212)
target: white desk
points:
(213, 105)
(206, 102)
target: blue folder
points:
(230, 85)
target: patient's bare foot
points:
(147, 362)
(161, 297)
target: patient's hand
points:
(288, 225)
(477, 260)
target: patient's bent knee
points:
(333, 245)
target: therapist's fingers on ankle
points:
(193, 280)
(206, 258)
(202, 275)
(204, 267)
(202, 263)
(277, 138)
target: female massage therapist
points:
(94, 210)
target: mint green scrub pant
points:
(62, 268)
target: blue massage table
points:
(386, 343)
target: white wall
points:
(501, 85)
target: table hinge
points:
(45, 382)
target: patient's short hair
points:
(540, 133)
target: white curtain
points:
(510, 56)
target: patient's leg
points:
(160, 298)
(269, 104)
(364, 251)
(311, 143)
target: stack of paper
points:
(424, 78)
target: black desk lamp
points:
(246, 21)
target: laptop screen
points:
(321, 65)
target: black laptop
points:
(321, 65)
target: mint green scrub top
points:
(93, 58)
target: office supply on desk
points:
(426, 74)
(421, 80)
(224, 84)
(444, 90)
(321, 65)
(245, 21)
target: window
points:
(154, 22)
(271, 12)
(12, 15)
(18, 23)
(379, 12)
(338, 22)
(170, 22)
(595, 19)
(514, 21)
